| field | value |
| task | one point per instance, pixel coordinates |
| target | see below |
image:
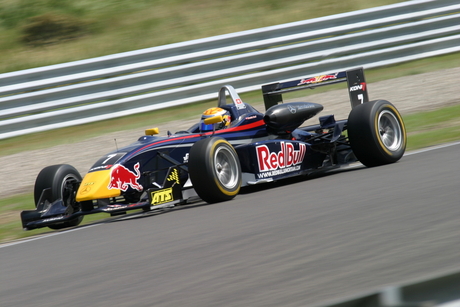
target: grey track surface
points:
(409, 94)
(293, 244)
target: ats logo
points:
(162, 196)
(286, 157)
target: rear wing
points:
(357, 88)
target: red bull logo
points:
(317, 79)
(286, 157)
(122, 178)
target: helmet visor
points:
(204, 127)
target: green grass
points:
(433, 127)
(10, 222)
(124, 25)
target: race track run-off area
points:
(293, 243)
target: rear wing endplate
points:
(357, 88)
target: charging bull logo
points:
(286, 157)
(122, 178)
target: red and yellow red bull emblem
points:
(122, 178)
(317, 79)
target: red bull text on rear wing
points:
(357, 88)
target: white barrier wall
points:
(159, 77)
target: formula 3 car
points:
(233, 146)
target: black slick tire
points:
(376, 132)
(214, 170)
(60, 178)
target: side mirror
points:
(152, 131)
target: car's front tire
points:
(214, 170)
(376, 132)
(61, 179)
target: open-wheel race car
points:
(232, 146)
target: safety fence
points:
(139, 81)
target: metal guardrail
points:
(112, 86)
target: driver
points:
(211, 112)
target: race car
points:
(232, 146)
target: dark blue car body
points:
(153, 172)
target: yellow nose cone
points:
(95, 186)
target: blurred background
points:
(358, 243)
(43, 32)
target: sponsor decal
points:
(101, 167)
(115, 207)
(122, 178)
(52, 219)
(318, 79)
(278, 172)
(186, 158)
(174, 176)
(295, 108)
(162, 196)
(284, 159)
(360, 87)
(239, 104)
(85, 190)
(305, 106)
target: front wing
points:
(55, 213)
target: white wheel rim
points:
(225, 167)
(390, 131)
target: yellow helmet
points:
(211, 112)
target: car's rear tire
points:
(376, 132)
(61, 180)
(214, 170)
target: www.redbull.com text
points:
(283, 160)
(278, 172)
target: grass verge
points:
(124, 25)
(433, 127)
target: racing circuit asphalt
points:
(296, 244)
